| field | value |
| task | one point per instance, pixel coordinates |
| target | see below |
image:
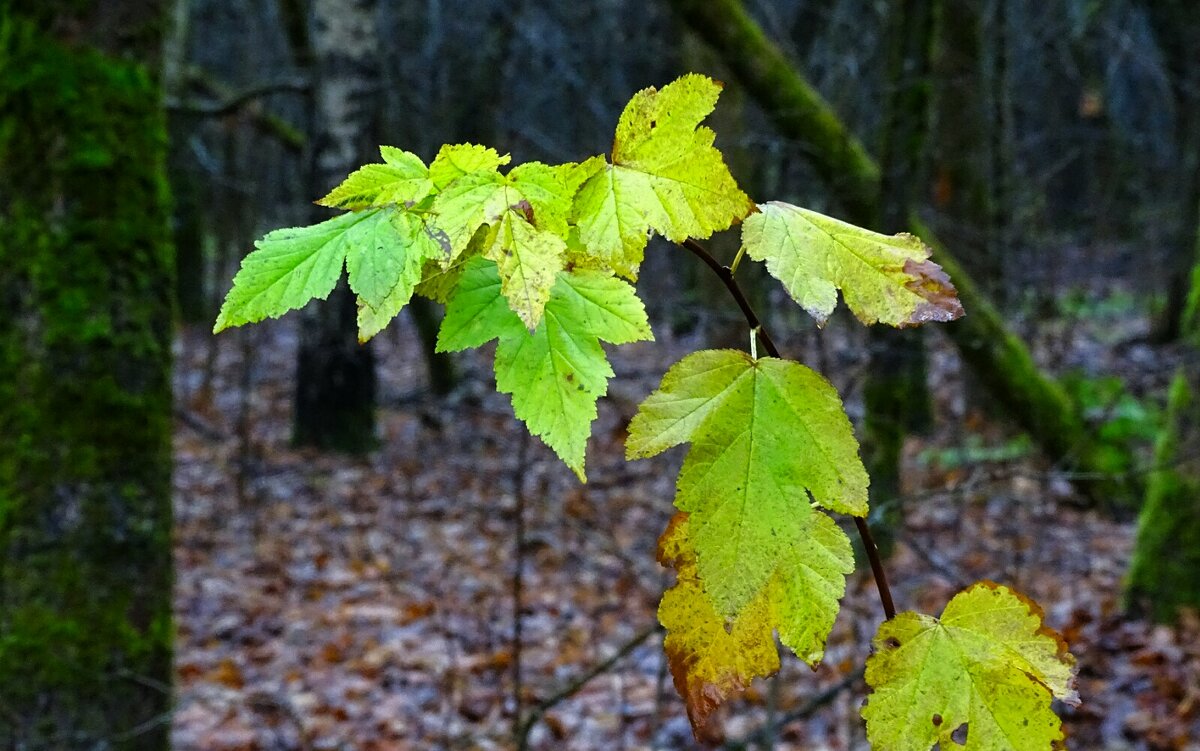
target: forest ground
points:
(330, 603)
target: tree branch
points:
(809, 708)
(572, 688)
(756, 324)
(236, 101)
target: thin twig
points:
(572, 688)
(756, 324)
(237, 100)
(801, 713)
(518, 575)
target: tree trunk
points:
(85, 391)
(1001, 360)
(1176, 23)
(335, 375)
(1191, 312)
(896, 392)
(1162, 575)
(960, 186)
(999, 246)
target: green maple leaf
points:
(713, 655)
(383, 250)
(399, 266)
(665, 176)
(886, 278)
(989, 662)
(766, 434)
(527, 213)
(402, 179)
(556, 373)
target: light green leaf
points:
(665, 176)
(477, 311)
(403, 180)
(886, 278)
(456, 160)
(765, 435)
(989, 663)
(556, 373)
(379, 251)
(289, 267)
(414, 245)
(688, 394)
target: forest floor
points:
(324, 602)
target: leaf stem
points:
(864, 530)
(733, 267)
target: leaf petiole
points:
(733, 267)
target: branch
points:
(809, 708)
(231, 102)
(574, 686)
(236, 101)
(864, 530)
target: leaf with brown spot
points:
(883, 278)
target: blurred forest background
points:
(279, 539)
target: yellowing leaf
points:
(467, 204)
(454, 161)
(988, 663)
(549, 192)
(765, 435)
(529, 208)
(402, 179)
(556, 373)
(529, 261)
(887, 278)
(665, 176)
(713, 656)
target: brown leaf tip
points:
(930, 282)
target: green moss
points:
(1162, 575)
(85, 518)
(1191, 310)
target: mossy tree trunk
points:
(1191, 311)
(85, 393)
(335, 375)
(896, 391)
(1003, 363)
(1163, 574)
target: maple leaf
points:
(713, 656)
(456, 160)
(400, 265)
(555, 373)
(887, 278)
(529, 209)
(988, 663)
(765, 435)
(402, 179)
(383, 250)
(665, 176)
